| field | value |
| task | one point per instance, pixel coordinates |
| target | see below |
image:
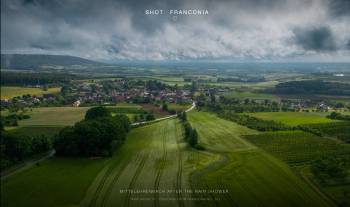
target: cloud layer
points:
(245, 30)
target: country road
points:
(26, 165)
(31, 163)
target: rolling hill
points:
(21, 61)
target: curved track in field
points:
(152, 157)
(178, 184)
(160, 168)
(134, 179)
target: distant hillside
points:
(19, 61)
(312, 87)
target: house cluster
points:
(112, 92)
(28, 100)
(302, 105)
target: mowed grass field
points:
(56, 182)
(63, 116)
(154, 157)
(294, 118)
(54, 116)
(253, 177)
(150, 159)
(8, 92)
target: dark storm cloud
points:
(318, 39)
(119, 29)
(339, 7)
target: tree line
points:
(22, 78)
(253, 122)
(97, 135)
(191, 134)
(339, 116)
(312, 87)
(16, 148)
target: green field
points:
(299, 149)
(339, 130)
(156, 157)
(294, 118)
(8, 92)
(251, 95)
(63, 116)
(242, 85)
(178, 107)
(252, 176)
(152, 158)
(54, 116)
(36, 130)
(56, 182)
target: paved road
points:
(163, 118)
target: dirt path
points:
(26, 165)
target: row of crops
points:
(298, 147)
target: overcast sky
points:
(238, 30)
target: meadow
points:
(300, 150)
(252, 176)
(55, 182)
(8, 92)
(157, 157)
(64, 116)
(54, 116)
(152, 158)
(294, 118)
(250, 95)
(36, 130)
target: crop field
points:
(54, 116)
(239, 85)
(251, 95)
(155, 167)
(220, 135)
(64, 116)
(56, 182)
(154, 157)
(251, 176)
(169, 80)
(340, 130)
(297, 147)
(294, 118)
(36, 130)
(8, 92)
